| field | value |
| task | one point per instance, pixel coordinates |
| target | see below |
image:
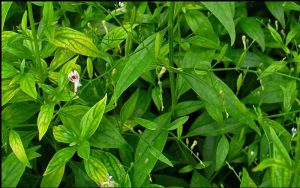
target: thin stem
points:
(171, 50)
(36, 45)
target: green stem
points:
(35, 40)
(171, 50)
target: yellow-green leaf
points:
(27, 84)
(75, 41)
(16, 145)
(44, 118)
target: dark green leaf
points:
(222, 151)
(107, 136)
(276, 10)
(252, 28)
(135, 66)
(144, 161)
(129, 106)
(225, 17)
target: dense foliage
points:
(150, 94)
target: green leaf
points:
(246, 180)
(91, 120)
(84, 150)
(253, 29)
(178, 122)
(201, 26)
(12, 171)
(144, 161)
(17, 113)
(186, 169)
(135, 66)
(47, 19)
(221, 153)
(114, 168)
(107, 136)
(199, 180)
(81, 178)
(75, 41)
(277, 11)
(27, 84)
(220, 95)
(187, 107)
(289, 95)
(146, 123)
(17, 147)
(203, 42)
(271, 69)
(71, 116)
(96, 170)
(214, 112)
(269, 162)
(292, 33)
(156, 153)
(252, 153)
(63, 134)
(225, 17)
(205, 126)
(129, 106)
(8, 70)
(61, 56)
(89, 66)
(59, 159)
(116, 36)
(4, 10)
(53, 179)
(44, 118)
(276, 36)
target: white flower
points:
(74, 77)
(294, 132)
(108, 183)
(122, 6)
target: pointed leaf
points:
(246, 180)
(16, 145)
(59, 159)
(27, 84)
(91, 120)
(225, 17)
(44, 118)
(222, 151)
(53, 179)
(96, 170)
(84, 150)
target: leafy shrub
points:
(150, 94)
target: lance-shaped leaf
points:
(96, 170)
(44, 118)
(27, 84)
(59, 159)
(16, 145)
(91, 120)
